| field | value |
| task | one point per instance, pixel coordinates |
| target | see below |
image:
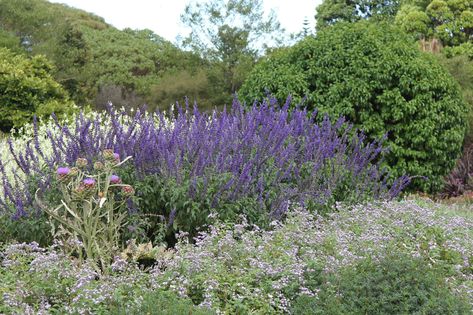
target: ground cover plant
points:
(410, 255)
(251, 161)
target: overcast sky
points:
(163, 16)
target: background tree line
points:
(57, 58)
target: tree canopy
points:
(330, 12)
(451, 21)
(27, 88)
(94, 61)
(231, 34)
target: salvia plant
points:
(251, 160)
(91, 212)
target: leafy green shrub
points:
(35, 228)
(175, 86)
(179, 212)
(376, 77)
(27, 89)
(241, 268)
(450, 21)
(465, 49)
(398, 284)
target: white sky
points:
(163, 16)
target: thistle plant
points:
(92, 210)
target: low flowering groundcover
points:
(240, 268)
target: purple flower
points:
(114, 179)
(263, 152)
(63, 171)
(89, 182)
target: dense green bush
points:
(398, 284)
(26, 89)
(28, 229)
(377, 78)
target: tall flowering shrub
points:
(245, 160)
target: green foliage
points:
(388, 258)
(27, 88)
(451, 21)
(398, 284)
(334, 11)
(163, 303)
(463, 49)
(51, 284)
(175, 86)
(25, 230)
(461, 68)
(10, 41)
(169, 209)
(94, 61)
(374, 76)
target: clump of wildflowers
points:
(267, 270)
(239, 267)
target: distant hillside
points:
(96, 62)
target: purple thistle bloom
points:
(89, 182)
(114, 179)
(63, 171)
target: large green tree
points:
(27, 88)
(451, 21)
(230, 34)
(375, 76)
(94, 61)
(330, 12)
